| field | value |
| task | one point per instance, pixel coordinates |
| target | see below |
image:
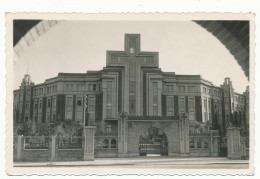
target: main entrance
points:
(153, 141)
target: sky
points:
(78, 46)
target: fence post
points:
(53, 147)
(19, 147)
(234, 143)
(89, 143)
(214, 143)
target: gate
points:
(154, 141)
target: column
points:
(214, 143)
(184, 135)
(122, 136)
(233, 143)
(89, 143)
(19, 147)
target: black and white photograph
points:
(133, 93)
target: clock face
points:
(132, 50)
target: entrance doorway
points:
(153, 142)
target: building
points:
(132, 87)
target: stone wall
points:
(52, 153)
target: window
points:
(94, 87)
(113, 144)
(109, 128)
(206, 143)
(67, 87)
(215, 93)
(219, 94)
(105, 144)
(40, 104)
(48, 89)
(191, 89)
(209, 91)
(90, 87)
(191, 104)
(155, 110)
(79, 101)
(169, 88)
(109, 112)
(26, 105)
(170, 109)
(182, 104)
(49, 103)
(155, 92)
(54, 102)
(192, 143)
(181, 89)
(35, 105)
(69, 101)
(204, 90)
(236, 98)
(91, 104)
(199, 143)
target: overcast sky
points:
(77, 46)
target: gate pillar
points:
(122, 135)
(184, 135)
(89, 143)
(233, 143)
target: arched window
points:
(105, 143)
(113, 143)
(192, 144)
(206, 143)
(199, 143)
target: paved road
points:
(148, 162)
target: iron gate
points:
(154, 141)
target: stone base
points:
(89, 157)
(133, 155)
(174, 154)
(185, 155)
(122, 155)
(235, 157)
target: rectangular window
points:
(109, 128)
(191, 89)
(35, 105)
(69, 101)
(79, 101)
(209, 91)
(155, 93)
(155, 110)
(54, 102)
(90, 87)
(40, 104)
(204, 90)
(191, 105)
(170, 107)
(49, 103)
(109, 112)
(67, 87)
(94, 87)
(77, 87)
(71, 87)
(215, 93)
(182, 104)
(91, 104)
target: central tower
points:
(132, 60)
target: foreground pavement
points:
(147, 162)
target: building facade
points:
(132, 86)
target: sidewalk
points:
(161, 162)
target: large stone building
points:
(137, 108)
